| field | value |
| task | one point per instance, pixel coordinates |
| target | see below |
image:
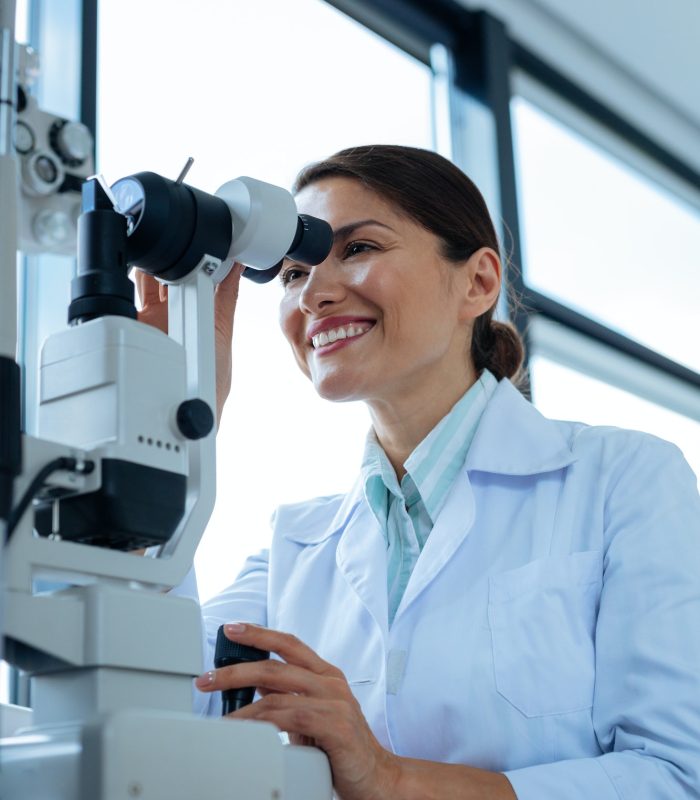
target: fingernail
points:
(234, 627)
(205, 680)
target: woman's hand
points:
(154, 301)
(311, 700)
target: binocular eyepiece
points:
(168, 229)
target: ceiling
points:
(655, 42)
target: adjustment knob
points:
(42, 174)
(194, 419)
(72, 141)
(228, 653)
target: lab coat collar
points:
(361, 551)
(513, 438)
(306, 523)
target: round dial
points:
(73, 143)
(130, 198)
(42, 173)
(23, 138)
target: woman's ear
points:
(483, 273)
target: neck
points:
(402, 421)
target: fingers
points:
(148, 288)
(152, 291)
(270, 677)
(299, 715)
(226, 297)
(291, 649)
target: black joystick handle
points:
(226, 654)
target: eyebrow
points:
(351, 227)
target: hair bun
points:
(498, 348)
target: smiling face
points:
(386, 317)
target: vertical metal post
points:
(10, 441)
(88, 67)
(8, 183)
(497, 64)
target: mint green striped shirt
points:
(406, 512)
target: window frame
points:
(539, 83)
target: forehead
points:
(338, 200)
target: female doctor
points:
(503, 605)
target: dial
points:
(130, 198)
(72, 141)
(23, 138)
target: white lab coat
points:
(550, 629)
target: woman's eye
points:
(355, 248)
(291, 274)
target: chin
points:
(337, 389)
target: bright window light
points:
(601, 238)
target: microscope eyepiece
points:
(313, 241)
(311, 245)
(168, 229)
(172, 226)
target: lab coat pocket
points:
(542, 619)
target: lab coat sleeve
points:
(245, 601)
(646, 707)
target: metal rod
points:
(8, 184)
(183, 174)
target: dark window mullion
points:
(541, 304)
(88, 67)
(540, 71)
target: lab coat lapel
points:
(513, 438)
(361, 558)
(451, 528)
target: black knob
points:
(228, 653)
(194, 419)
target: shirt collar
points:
(512, 438)
(433, 465)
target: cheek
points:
(291, 322)
(289, 319)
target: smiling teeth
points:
(346, 332)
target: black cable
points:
(63, 463)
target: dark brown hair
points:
(440, 197)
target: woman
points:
(503, 606)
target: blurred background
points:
(580, 122)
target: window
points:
(256, 89)
(603, 239)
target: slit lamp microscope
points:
(123, 459)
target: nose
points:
(322, 287)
